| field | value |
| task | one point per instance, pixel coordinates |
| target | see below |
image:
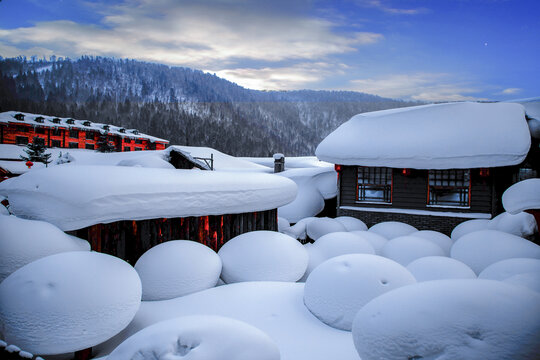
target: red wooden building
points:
(21, 128)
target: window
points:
(449, 188)
(74, 133)
(40, 130)
(21, 140)
(524, 173)
(138, 141)
(374, 184)
(127, 148)
(73, 145)
(89, 135)
(138, 149)
(89, 146)
(56, 132)
(39, 141)
(127, 140)
(56, 143)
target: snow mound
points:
(439, 268)
(68, 301)
(322, 226)
(262, 256)
(297, 231)
(376, 240)
(450, 319)
(468, 227)
(405, 249)
(392, 229)
(177, 268)
(3, 210)
(339, 287)
(153, 161)
(283, 224)
(351, 223)
(521, 224)
(437, 136)
(437, 238)
(482, 248)
(530, 280)
(198, 337)
(522, 196)
(23, 241)
(504, 269)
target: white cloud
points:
(379, 4)
(510, 91)
(428, 87)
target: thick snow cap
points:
(73, 197)
(521, 196)
(437, 136)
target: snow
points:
(339, 287)
(198, 338)
(522, 196)
(376, 240)
(23, 241)
(405, 249)
(438, 136)
(392, 229)
(532, 109)
(73, 197)
(283, 224)
(291, 162)
(322, 226)
(147, 162)
(482, 248)
(468, 227)
(352, 223)
(19, 167)
(278, 156)
(262, 256)
(450, 319)
(437, 238)
(276, 308)
(3, 210)
(392, 210)
(68, 301)
(504, 269)
(222, 162)
(521, 224)
(177, 268)
(530, 281)
(438, 268)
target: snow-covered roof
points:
(436, 136)
(73, 197)
(54, 121)
(521, 196)
(18, 167)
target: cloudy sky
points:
(428, 50)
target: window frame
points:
(448, 176)
(387, 188)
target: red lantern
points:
(484, 172)
(406, 172)
(337, 167)
(29, 164)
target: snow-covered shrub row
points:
(352, 223)
(520, 224)
(450, 319)
(23, 241)
(339, 287)
(438, 268)
(322, 226)
(405, 249)
(262, 256)
(376, 240)
(68, 302)
(392, 229)
(177, 268)
(198, 338)
(437, 238)
(504, 269)
(522, 196)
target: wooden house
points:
(430, 166)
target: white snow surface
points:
(521, 224)
(392, 229)
(437, 136)
(198, 337)
(23, 241)
(262, 256)
(321, 226)
(522, 196)
(468, 227)
(3, 210)
(530, 280)
(73, 197)
(352, 223)
(450, 319)
(339, 287)
(291, 162)
(504, 269)
(438, 268)
(276, 308)
(405, 249)
(177, 268)
(437, 238)
(68, 301)
(376, 240)
(482, 248)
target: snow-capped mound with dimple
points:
(68, 301)
(392, 229)
(530, 280)
(322, 226)
(351, 223)
(405, 249)
(520, 224)
(198, 337)
(468, 227)
(450, 319)
(482, 248)
(262, 256)
(23, 241)
(439, 268)
(177, 268)
(85, 195)
(339, 287)
(522, 196)
(437, 238)
(376, 240)
(506, 268)
(437, 136)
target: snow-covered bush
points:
(450, 319)
(437, 238)
(177, 268)
(376, 240)
(262, 256)
(339, 287)
(322, 226)
(506, 268)
(529, 280)
(392, 229)
(521, 224)
(468, 227)
(439, 268)
(351, 223)
(405, 249)
(522, 196)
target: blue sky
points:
(430, 50)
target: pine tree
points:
(35, 152)
(104, 145)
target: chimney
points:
(279, 163)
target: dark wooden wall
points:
(130, 239)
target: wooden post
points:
(84, 354)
